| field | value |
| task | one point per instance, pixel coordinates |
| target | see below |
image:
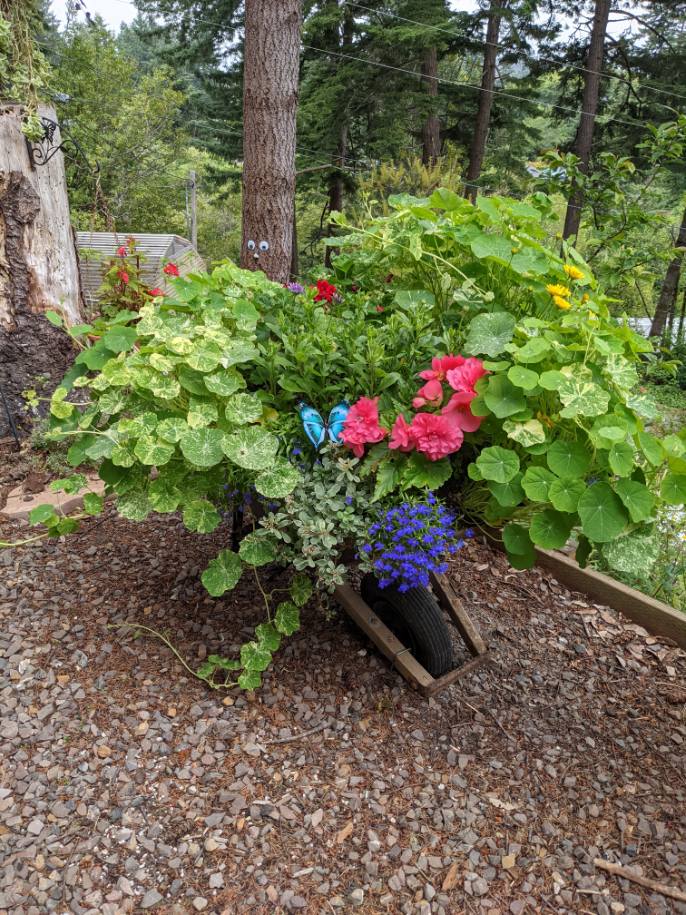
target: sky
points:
(114, 12)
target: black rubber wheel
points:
(415, 618)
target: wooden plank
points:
(452, 676)
(450, 601)
(383, 638)
(653, 615)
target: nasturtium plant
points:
(529, 416)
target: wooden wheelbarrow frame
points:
(399, 655)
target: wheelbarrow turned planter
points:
(401, 655)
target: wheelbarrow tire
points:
(415, 618)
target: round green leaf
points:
(279, 481)
(673, 489)
(507, 494)
(251, 448)
(568, 459)
(550, 529)
(43, 514)
(489, 334)
(520, 549)
(651, 448)
(621, 459)
(534, 350)
(257, 551)
(523, 378)
(551, 380)
(300, 589)
(536, 483)
(565, 494)
(498, 464)
(202, 447)
(164, 497)
(222, 573)
(603, 517)
(637, 498)
(120, 339)
(201, 516)
(242, 409)
(502, 398)
(268, 636)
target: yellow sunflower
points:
(558, 290)
(573, 272)
(562, 303)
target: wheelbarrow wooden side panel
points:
(399, 655)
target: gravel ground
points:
(126, 786)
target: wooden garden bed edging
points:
(658, 618)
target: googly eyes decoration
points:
(264, 246)
(251, 245)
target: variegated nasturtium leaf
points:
(490, 333)
(202, 447)
(255, 656)
(111, 402)
(565, 494)
(238, 351)
(502, 398)
(59, 407)
(639, 549)
(163, 386)
(102, 447)
(163, 495)
(300, 589)
(268, 636)
(143, 424)
(568, 458)
(498, 464)
(172, 429)
(152, 451)
(224, 383)
(201, 516)
(279, 481)
(622, 372)
(242, 409)
(582, 397)
(257, 551)
(522, 377)
(536, 483)
(621, 459)
(250, 679)
(201, 413)
(526, 434)
(251, 448)
(603, 516)
(122, 456)
(637, 499)
(222, 573)
(162, 363)
(134, 505)
(287, 618)
(551, 529)
(93, 503)
(204, 356)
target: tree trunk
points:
(431, 131)
(477, 149)
(583, 143)
(270, 100)
(38, 269)
(670, 285)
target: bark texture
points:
(477, 149)
(431, 131)
(583, 142)
(38, 270)
(670, 286)
(270, 99)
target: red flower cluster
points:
(123, 276)
(122, 251)
(325, 291)
(433, 434)
(171, 269)
(156, 292)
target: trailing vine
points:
(24, 69)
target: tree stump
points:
(38, 269)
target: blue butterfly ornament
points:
(316, 429)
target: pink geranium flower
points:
(436, 437)
(458, 413)
(361, 426)
(122, 251)
(440, 366)
(402, 435)
(431, 393)
(464, 377)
